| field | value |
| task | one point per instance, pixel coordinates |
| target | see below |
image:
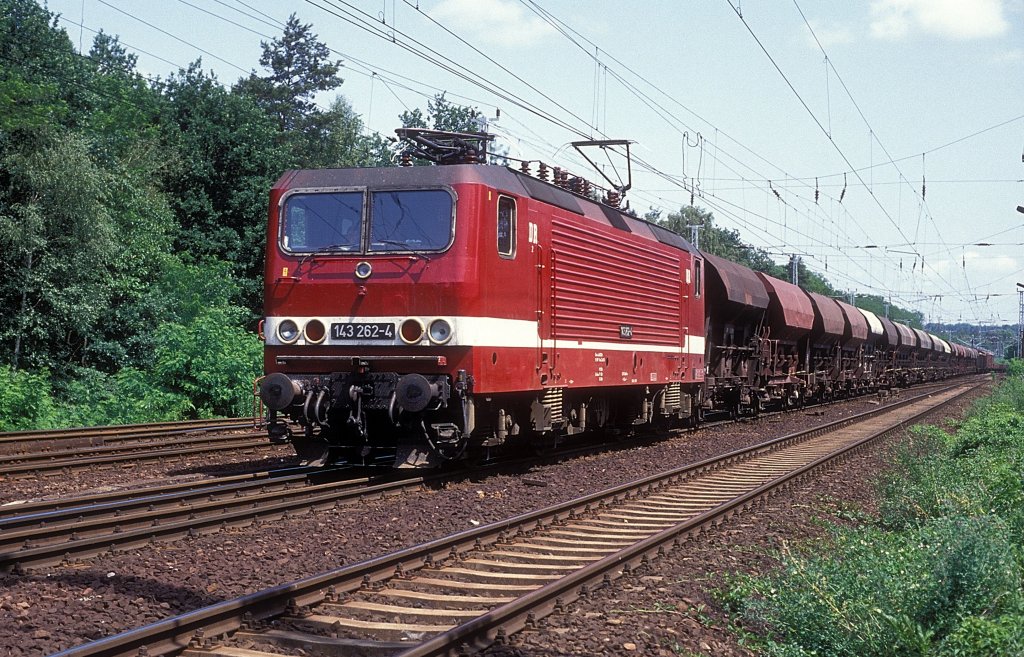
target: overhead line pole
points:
(1020, 322)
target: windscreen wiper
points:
(404, 246)
(324, 250)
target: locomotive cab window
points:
(506, 226)
(402, 221)
(411, 220)
(330, 221)
(698, 280)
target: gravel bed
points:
(127, 475)
(56, 608)
(669, 609)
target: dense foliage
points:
(133, 212)
(940, 571)
(132, 216)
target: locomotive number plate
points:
(363, 331)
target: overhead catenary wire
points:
(659, 110)
(332, 3)
(173, 36)
(541, 11)
(875, 137)
(829, 137)
(819, 218)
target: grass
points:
(938, 573)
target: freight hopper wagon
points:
(771, 343)
(432, 313)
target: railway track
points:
(46, 533)
(43, 536)
(76, 458)
(51, 532)
(47, 438)
(52, 452)
(474, 588)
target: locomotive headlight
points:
(411, 330)
(314, 331)
(288, 331)
(440, 331)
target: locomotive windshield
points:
(313, 222)
(399, 220)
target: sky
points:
(881, 141)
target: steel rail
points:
(37, 463)
(102, 450)
(44, 515)
(523, 612)
(52, 537)
(109, 534)
(12, 513)
(199, 627)
(126, 431)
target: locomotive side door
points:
(542, 297)
(696, 334)
(685, 294)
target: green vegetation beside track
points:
(937, 573)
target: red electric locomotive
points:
(432, 312)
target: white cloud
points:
(952, 19)
(983, 264)
(829, 34)
(492, 22)
(1014, 56)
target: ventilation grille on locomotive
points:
(552, 399)
(673, 393)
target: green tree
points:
(298, 67)
(80, 221)
(124, 108)
(442, 114)
(54, 224)
(43, 82)
(223, 157)
(25, 400)
(347, 144)
(202, 352)
(722, 242)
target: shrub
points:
(129, 397)
(26, 400)
(211, 361)
(997, 424)
(939, 574)
(978, 636)
(889, 593)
